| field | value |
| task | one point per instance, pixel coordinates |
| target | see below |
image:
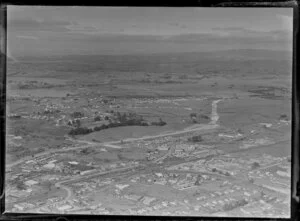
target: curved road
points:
(211, 125)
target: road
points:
(112, 144)
(211, 125)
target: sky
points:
(44, 30)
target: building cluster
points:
(60, 111)
(256, 142)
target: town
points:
(149, 111)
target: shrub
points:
(255, 165)
(77, 114)
(192, 115)
(80, 131)
(283, 117)
(97, 118)
(227, 173)
(251, 180)
(197, 138)
(183, 76)
(204, 116)
(159, 123)
(233, 205)
(20, 185)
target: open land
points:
(191, 134)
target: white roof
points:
(49, 165)
(65, 207)
(30, 182)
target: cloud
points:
(286, 21)
(117, 38)
(29, 24)
(233, 36)
(240, 32)
(178, 25)
(27, 37)
(242, 37)
(230, 29)
(82, 29)
(245, 35)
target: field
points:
(161, 134)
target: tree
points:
(97, 118)
(227, 173)
(251, 180)
(123, 117)
(192, 115)
(197, 138)
(118, 115)
(84, 151)
(20, 185)
(78, 123)
(159, 123)
(80, 130)
(283, 117)
(204, 116)
(77, 114)
(255, 165)
(199, 180)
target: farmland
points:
(167, 134)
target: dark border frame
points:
(295, 153)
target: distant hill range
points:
(234, 54)
(230, 61)
(254, 54)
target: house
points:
(30, 182)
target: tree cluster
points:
(80, 131)
(255, 165)
(195, 139)
(235, 204)
(284, 117)
(77, 114)
(195, 117)
(159, 123)
(97, 118)
(226, 173)
(130, 119)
